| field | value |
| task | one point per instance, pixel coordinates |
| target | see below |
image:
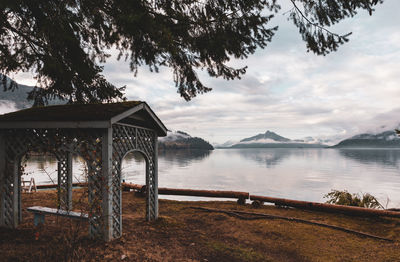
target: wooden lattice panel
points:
(64, 181)
(59, 142)
(89, 144)
(126, 139)
(8, 188)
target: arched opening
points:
(35, 168)
(133, 168)
(40, 171)
(42, 167)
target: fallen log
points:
(242, 196)
(350, 210)
(48, 186)
(203, 193)
(140, 188)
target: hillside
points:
(182, 140)
(387, 139)
(18, 97)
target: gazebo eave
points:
(161, 129)
(55, 124)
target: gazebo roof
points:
(136, 113)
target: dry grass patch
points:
(184, 234)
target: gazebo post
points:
(107, 188)
(19, 191)
(155, 176)
(2, 179)
(16, 192)
(64, 181)
(10, 213)
(152, 183)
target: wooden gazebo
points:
(102, 134)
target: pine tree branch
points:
(299, 12)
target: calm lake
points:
(302, 174)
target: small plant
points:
(367, 200)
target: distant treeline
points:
(186, 143)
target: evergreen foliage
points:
(186, 143)
(64, 42)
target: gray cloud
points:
(286, 89)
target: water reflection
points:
(43, 161)
(381, 157)
(134, 165)
(133, 168)
(183, 157)
(268, 157)
(303, 174)
(43, 168)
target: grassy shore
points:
(185, 234)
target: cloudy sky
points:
(286, 89)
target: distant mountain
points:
(273, 137)
(313, 140)
(228, 143)
(272, 140)
(387, 139)
(182, 140)
(19, 96)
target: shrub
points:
(367, 200)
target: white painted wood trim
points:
(106, 186)
(2, 178)
(155, 161)
(134, 126)
(126, 113)
(16, 193)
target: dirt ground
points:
(185, 234)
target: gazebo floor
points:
(185, 234)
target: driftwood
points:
(393, 209)
(48, 186)
(257, 200)
(139, 188)
(254, 216)
(349, 210)
(192, 192)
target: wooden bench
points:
(40, 212)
